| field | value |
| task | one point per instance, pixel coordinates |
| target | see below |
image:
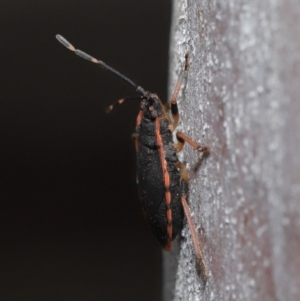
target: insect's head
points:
(151, 106)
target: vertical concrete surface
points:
(242, 100)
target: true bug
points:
(162, 179)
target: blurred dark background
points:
(70, 223)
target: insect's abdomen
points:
(152, 187)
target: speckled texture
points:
(241, 99)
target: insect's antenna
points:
(122, 100)
(100, 63)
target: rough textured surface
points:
(241, 99)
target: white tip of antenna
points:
(65, 42)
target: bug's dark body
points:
(162, 178)
(151, 182)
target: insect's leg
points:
(135, 136)
(182, 138)
(182, 76)
(198, 252)
(197, 249)
(184, 174)
(167, 106)
(122, 100)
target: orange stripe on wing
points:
(166, 183)
(139, 118)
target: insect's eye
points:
(150, 104)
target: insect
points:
(162, 179)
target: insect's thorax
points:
(153, 108)
(156, 147)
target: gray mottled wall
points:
(241, 99)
